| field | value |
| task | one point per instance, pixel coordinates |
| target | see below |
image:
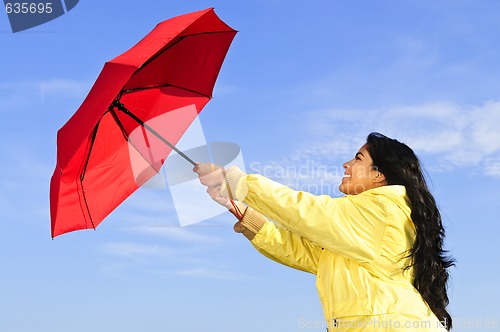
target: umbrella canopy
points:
(137, 110)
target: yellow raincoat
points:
(356, 246)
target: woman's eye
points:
(357, 158)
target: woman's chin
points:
(348, 188)
(343, 188)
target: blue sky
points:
(303, 84)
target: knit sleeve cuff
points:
(234, 185)
(253, 220)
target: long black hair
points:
(429, 260)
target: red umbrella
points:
(138, 109)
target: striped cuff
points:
(229, 186)
(253, 220)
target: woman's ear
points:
(379, 178)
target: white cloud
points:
(135, 250)
(175, 233)
(453, 136)
(152, 259)
(62, 88)
(201, 272)
(460, 136)
(24, 93)
(486, 127)
(212, 272)
(492, 167)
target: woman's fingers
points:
(205, 168)
(214, 193)
(239, 228)
(210, 175)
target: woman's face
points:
(360, 175)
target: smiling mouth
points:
(346, 176)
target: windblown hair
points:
(429, 260)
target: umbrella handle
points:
(237, 211)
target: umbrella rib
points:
(122, 108)
(119, 123)
(164, 86)
(82, 175)
(126, 136)
(84, 170)
(209, 33)
(173, 43)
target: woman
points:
(377, 252)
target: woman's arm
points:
(352, 226)
(277, 243)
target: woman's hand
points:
(214, 193)
(239, 228)
(210, 175)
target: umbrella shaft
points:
(122, 108)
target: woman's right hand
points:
(210, 175)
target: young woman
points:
(377, 252)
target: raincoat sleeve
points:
(281, 245)
(352, 226)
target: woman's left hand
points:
(210, 175)
(214, 193)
